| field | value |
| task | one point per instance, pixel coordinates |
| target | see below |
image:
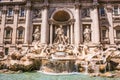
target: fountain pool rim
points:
(41, 76)
(64, 73)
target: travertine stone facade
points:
(20, 18)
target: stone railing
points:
(19, 40)
(105, 40)
(8, 40)
(117, 40)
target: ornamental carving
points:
(37, 13)
(85, 12)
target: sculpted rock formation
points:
(62, 57)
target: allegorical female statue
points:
(87, 34)
(36, 34)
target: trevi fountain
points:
(61, 60)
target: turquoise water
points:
(41, 76)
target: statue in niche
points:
(36, 34)
(60, 37)
(37, 13)
(87, 33)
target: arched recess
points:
(8, 32)
(104, 34)
(62, 18)
(117, 33)
(8, 35)
(20, 32)
(20, 35)
(62, 10)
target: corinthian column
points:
(77, 24)
(71, 33)
(44, 27)
(3, 24)
(110, 21)
(51, 33)
(28, 23)
(15, 24)
(95, 36)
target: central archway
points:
(61, 17)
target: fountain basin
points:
(42, 76)
(57, 65)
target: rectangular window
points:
(102, 11)
(103, 34)
(6, 51)
(118, 34)
(116, 10)
(10, 12)
(22, 12)
(8, 34)
(20, 34)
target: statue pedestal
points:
(91, 44)
(60, 54)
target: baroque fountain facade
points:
(60, 37)
(62, 57)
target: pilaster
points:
(71, 33)
(51, 33)
(95, 35)
(28, 23)
(16, 12)
(4, 11)
(44, 27)
(77, 24)
(109, 12)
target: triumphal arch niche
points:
(61, 26)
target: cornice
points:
(109, 1)
(16, 9)
(13, 3)
(109, 7)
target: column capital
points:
(109, 8)
(72, 21)
(50, 21)
(4, 10)
(94, 5)
(45, 6)
(16, 9)
(28, 5)
(77, 5)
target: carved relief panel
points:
(37, 13)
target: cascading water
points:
(86, 67)
(109, 66)
(97, 70)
